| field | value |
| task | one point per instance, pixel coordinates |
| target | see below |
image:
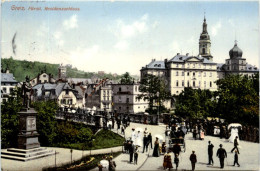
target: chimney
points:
(187, 54)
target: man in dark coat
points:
(149, 140)
(210, 153)
(221, 154)
(193, 160)
(145, 143)
(235, 145)
(131, 151)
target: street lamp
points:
(158, 94)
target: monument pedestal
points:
(28, 144)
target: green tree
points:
(239, 99)
(195, 103)
(126, 78)
(46, 123)
(10, 120)
(154, 89)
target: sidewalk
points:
(63, 157)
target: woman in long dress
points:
(156, 152)
(234, 133)
(138, 139)
(167, 161)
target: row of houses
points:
(102, 95)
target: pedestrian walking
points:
(210, 153)
(221, 154)
(176, 161)
(156, 149)
(167, 161)
(136, 155)
(131, 151)
(193, 160)
(176, 149)
(149, 139)
(112, 164)
(235, 145)
(163, 147)
(145, 143)
(236, 159)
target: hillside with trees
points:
(22, 68)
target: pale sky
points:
(121, 37)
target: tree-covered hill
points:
(22, 68)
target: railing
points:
(100, 119)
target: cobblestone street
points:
(248, 157)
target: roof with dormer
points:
(155, 65)
(183, 58)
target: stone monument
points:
(28, 144)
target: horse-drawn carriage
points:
(180, 141)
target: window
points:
(205, 84)
(135, 88)
(182, 84)
(11, 90)
(194, 84)
(203, 51)
(119, 107)
(199, 65)
(119, 98)
(177, 73)
(177, 83)
(67, 91)
(33, 81)
(204, 66)
(188, 73)
(45, 81)
(44, 75)
(210, 84)
(182, 73)
(188, 65)
(193, 74)
(127, 100)
(119, 89)
(204, 74)
(4, 90)
(177, 92)
(177, 65)
(210, 66)
(188, 83)
(40, 81)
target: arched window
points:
(203, 50)
(194, 84)
(210, 84)
(177, 83)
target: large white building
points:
(198, 71)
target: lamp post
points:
(158, 94)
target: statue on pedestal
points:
(26, 92)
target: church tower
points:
(205, 43)
(62, 72)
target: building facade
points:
(236, 64)
(125, 98)
(198, 71)
(62, 93)
(43, 77)
(99, 96)
(8, 84)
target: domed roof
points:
(235, 52)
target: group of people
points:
(107, 163)
(137, 141)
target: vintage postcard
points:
(129, 85)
